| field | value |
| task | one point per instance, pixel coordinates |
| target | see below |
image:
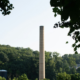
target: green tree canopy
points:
(63, 76)
(3, 57)
(23, 77)
(2, 78)
(78, 70)
(68, 9)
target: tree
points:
(65, 57)
(72, 70)
(5, 7)
(2, 78)
(23, 77)
(75, 76)
(3, 57)
(36, 53)
(46, 79)
(78, 70)
(65, 66)
(36, 79)
(71, 62)
(15, 78)
(68, 9)
(77, 57)
(63, 76)
(58, 66)
(50, 69)
(55, 56)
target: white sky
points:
(21, 27)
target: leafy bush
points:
(63, 76)
(2, 78)
(22, 77)
(46, 79)
(36, 79)
(15, 78)
(75, 76)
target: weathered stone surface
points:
(41, 55)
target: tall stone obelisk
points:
(41, 55)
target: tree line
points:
(17, 61)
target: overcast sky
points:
(21, 27)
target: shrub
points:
(23, 77)
(2, 78)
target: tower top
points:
(41, 27)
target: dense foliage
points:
(60, 76)
(65, 76)
(5, 7)
(17, 61)
(69, 10)
(2, 78)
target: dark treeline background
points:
(17, 61)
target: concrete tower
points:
(41, 55)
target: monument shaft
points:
(41, 55)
